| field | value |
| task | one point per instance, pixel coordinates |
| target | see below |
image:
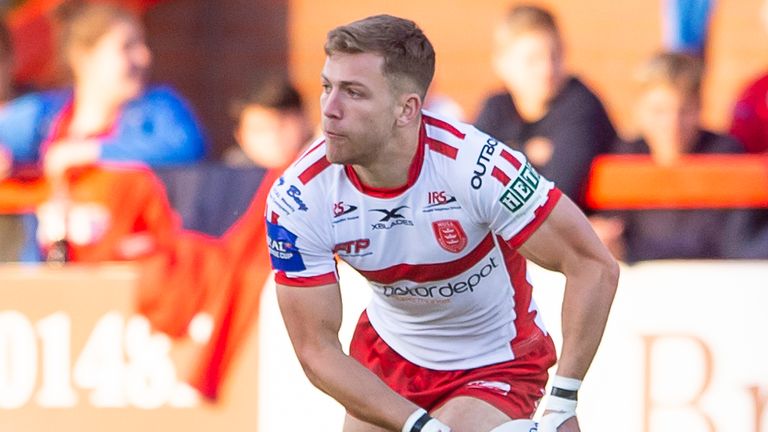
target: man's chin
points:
(333, 151)
(335, 158)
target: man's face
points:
(669, 121)
(359, 107)
(119, 61)
(530, 65)
(269, 137)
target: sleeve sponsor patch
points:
(283, 252)
(521, 189)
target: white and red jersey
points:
(450, 290)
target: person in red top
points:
(224, 276)
(104, 214)
(749, 122)
(750, 117)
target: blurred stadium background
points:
(685, 348)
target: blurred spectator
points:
(271, 126)
(668, 124)
(224, 277)
(750, 114)
(11, 226)
(443, 105)
(108, 114)
(549, 115)
(6, 64)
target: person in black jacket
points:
(548, 114)
(668, 127)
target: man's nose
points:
(331, 105)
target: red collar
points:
(413, 173)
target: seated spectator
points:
(92, 214)
(108, 114)
(548, 114)
(224, 277)
(669, 128)
(749, 123)
(271, 126)
(11, 226)
(6, 65)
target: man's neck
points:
(390, 167)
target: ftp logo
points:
(352, 246)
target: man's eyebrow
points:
(347, 83)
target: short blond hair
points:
(405, 48)
(682, 72)
(83, 23)
(525, 19)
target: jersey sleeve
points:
(299, 249)
(500, 188)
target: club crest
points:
(450, 235)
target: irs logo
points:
(340, 209)
(439, 201)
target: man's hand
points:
(435, 425)
(560, 412)
(550, 420)
(65, 154)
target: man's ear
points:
(410, 108)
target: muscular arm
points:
(313, 318)
(566, 243)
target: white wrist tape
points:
(516, 426)
(560, 408)
(566, 383)
(416, 423)
(413, 418)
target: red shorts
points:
(513, 387)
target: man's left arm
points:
(566, 243)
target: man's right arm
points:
(313, 318)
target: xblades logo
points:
(391, 218)
(391, 214)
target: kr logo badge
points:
(450, 235)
